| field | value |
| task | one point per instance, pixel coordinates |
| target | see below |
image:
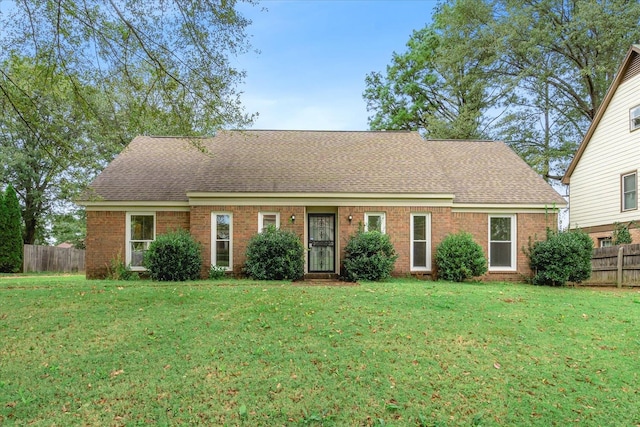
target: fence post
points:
(620, 262)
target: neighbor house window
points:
(222, 240)
(374, 221)
(605, 242)
(629, 192)
(265, 219)
(141, 231)
(420, 242)
(634, 118)
(502, 242)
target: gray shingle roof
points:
(166, 168)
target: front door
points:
(321, 243)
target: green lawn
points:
(76, 352)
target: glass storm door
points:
(322, 243)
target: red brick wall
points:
(606, 231)
(106, 232)
(106, 236)
(244, 224)
(398, 227)
(528, 225)
(171, 221)
(105, 241)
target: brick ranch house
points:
(322, 185)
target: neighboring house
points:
(322, 185)
(603, 175)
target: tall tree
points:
(531, 72)
(69, 227)
(533, 126)
(11, 247)
(174, 54)
(79, 79)
(564, 55)
(3, 224)
(53, 147)
(444, 83)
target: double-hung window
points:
(502, 242)
(266, 219)
(629, 191)
(222, 240)
(605, 242)
(141, 231)
(374, 221)
(634, 118)
(420, 242)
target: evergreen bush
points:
(621, 234)
(11, 242)
(3, 230)
(275, 254)
(459, 257)
(369, 256)
(174, 256)
(563, 257)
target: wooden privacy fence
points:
(52, 258)
(616, 265)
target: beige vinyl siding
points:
(612, 151)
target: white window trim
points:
(214, 230)
(633, 116)
(605, 242)
(261, 219)
(428, 241)
(383, 219)
(128, 238)
(623, 207)
(514, 243)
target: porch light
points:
(350, 217)
(293, 217)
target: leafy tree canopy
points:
(530, 72)
(171, 57)
(442, 85)
(78, 80)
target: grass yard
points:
(402, 353)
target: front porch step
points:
(321, 276)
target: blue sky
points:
(314, 57)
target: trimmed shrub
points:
(11, 242)
(459, 257)
(369, 256)
(275, 254)
(174, 256)
(563, 257)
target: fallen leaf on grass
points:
(116, 373)
(496, 365)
